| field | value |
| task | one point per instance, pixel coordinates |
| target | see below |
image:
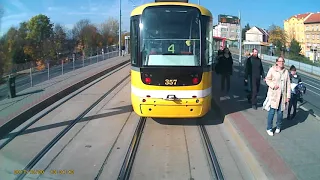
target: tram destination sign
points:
(186, 1)
(228, 19)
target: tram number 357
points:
(170, 82)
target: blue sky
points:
(68, 12)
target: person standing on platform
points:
(295, 80)
(279, 93)
(224, 68)
(253, 73)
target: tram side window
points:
(209, 43)
(134, 39)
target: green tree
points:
(39, 30)
(295, 47)
(244, 30)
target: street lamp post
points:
(240, 40)
(119, 27)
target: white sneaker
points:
(277, 130)
(270, 132)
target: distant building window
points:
(307, 28)
(307, 36)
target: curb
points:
(33, 110)
(249, 158)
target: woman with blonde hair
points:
(279, 93)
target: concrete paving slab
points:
(163, 153)
(112, 166)
(283, 155)
(232, 164)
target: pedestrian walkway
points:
(34, 99)
(292, 154)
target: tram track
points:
(12, 136)
(112, 148)
(132, 151)
(128, 162)
(56, 139)
(216, 169)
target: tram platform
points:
(29, 102)
(291, 154)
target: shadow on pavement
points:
(301, 117)
(114, 111)
(31, 92)
(211, 118)
(236, 99)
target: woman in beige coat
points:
(278, 94)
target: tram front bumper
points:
(182, 108)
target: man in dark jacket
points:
(254, 71)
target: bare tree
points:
(1, 14)
(60, 36)
(110, 31)
(79, 34)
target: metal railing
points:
(31, 77)
(314, 70)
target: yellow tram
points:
(171, 59)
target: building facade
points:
(257, 38)
(312, 36)
(294, 28)
(226, 30)
(256, 34)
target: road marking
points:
(312, 86)
(311, 82)
(313, 92)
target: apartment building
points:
(295, 28)
(312, 34)
(226, 30)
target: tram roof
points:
(138, 10)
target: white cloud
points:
(94, 9)
(86, 13)
(52, 8)
(13, 17)
(18, 4)
(68, 26)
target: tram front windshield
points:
(170, 36)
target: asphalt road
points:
(24, 82)
(312, 96)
